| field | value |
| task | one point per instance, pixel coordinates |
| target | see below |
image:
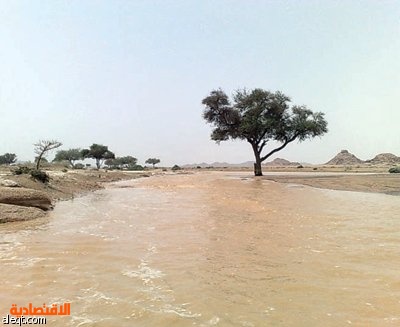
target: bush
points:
(40, 176)
(176, 167)
(22, 170)
(134, 167)
(79, 166)
(65, 170)
(300, 166)
(394, 170)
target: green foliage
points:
(70, 155)
(98, 152)
(121, 162)
(394, 170)
(176, 167)
(21, 170)
(8, 158)
(152, 161)
(259, 117)
(134, 167)
(40, 175)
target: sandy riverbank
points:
(62, 186)
(375, 183)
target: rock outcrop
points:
(385, 159)
(25, 197)
(344, 157)
(281, 162)
(11, 213)
(8, 183)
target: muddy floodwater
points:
(209, 249)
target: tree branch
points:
(287, 141)
(262, 145)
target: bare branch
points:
(43, 147)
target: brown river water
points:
(209, 249)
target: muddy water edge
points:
(209, 249)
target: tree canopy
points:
(152, 161)
(259, 117)
(70, 155)
(98, 152)
(8, 158)
(121, 162)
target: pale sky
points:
(132, 74)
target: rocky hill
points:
(344, 157)
(281, 162)
(385, 159)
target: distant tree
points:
(98, 152)
(70, 155)
(8, 159)
(128, 161)
(260, 116)
(43, 147)
(152, 161)
(121, 162)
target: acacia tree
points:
(43, 147)
(70, 155)
(259, 116)
(98, 152)
(121, 162)
(8, 158)
(152, 161)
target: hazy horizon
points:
(131, 75)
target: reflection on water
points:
(210, 249)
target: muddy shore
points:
(371, 183)
(62, 186)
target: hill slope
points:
(344, 157)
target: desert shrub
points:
(79, 166)
(21, 170)
(65, 170)
(40, 175)
(176, 167)
(300, 166)
(198, 167)
(134, 167)
(315, 168)
(394, 170)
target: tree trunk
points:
(257, 168)
(257, 164)
(98, 163)
(38, 161)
